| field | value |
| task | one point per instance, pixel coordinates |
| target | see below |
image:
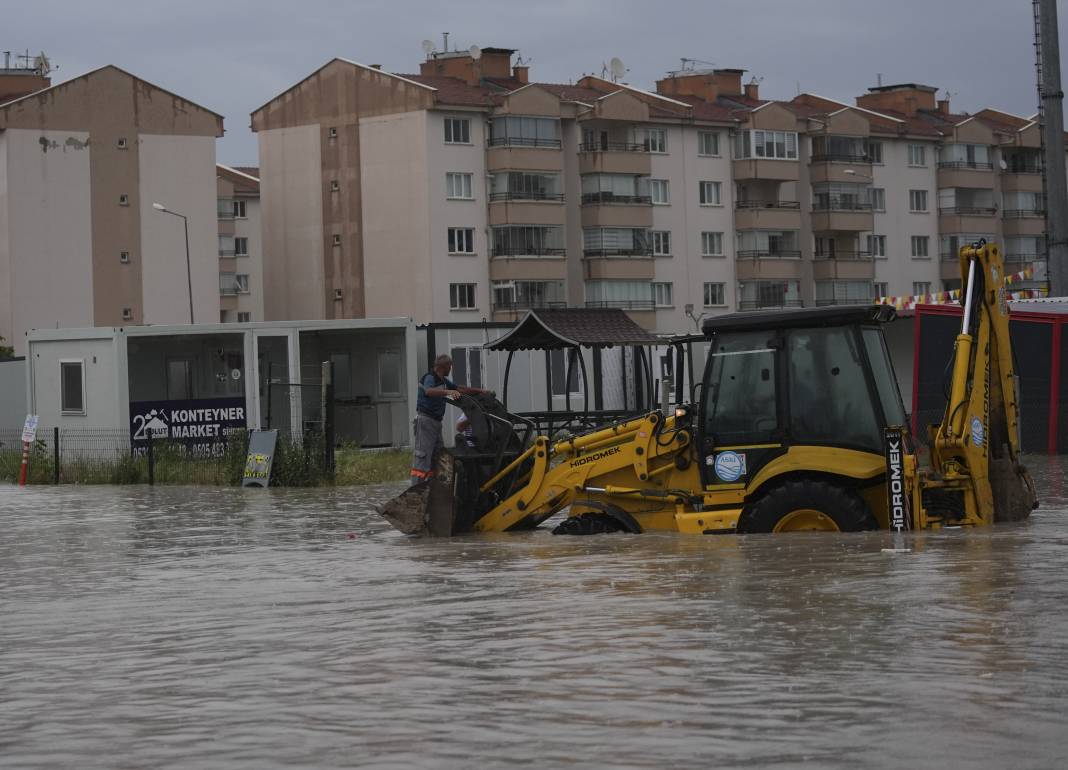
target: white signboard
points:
(29, 430)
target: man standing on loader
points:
(434, 387)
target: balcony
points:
(966, 219)
(967, 164)
(526, 208)
(520, 305)
(844, 301)
(1022, 181)
(526, 196)
(614, 158)
(523, 252)
(841, 214)
(1024, 213)
(767, 215)
(844, 265)
(605, 209)
(536, 157)
(598, 266)
(756, 304)
(522, 141)
(749, 267)
(639, 251)
(838, 167)
(609, 198)
(965, 174)
(768, 254)
(228, 253)
(771, 169)
(623, 304)
(225, 208)
(1030, 222)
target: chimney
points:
(521, 72)
(943, 106)
(906, 98)
(752, 90)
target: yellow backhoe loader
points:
(798, 425)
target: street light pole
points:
(188, 268)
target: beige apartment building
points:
(82, 164)
(466, 192)
(240, 244)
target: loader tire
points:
(588, 524)
(807, 505)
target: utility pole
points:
(1051, 124)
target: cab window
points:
(885, 379)
(829, 398)
(740, 390)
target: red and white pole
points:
(25, 463)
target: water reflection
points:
(195, 627)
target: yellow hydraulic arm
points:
(558, 474)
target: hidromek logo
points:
(594, 457)
(895, 482)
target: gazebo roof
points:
(553, 329)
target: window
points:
(777, 145)
(389, 372)
(964, 156)
(124, 200)
(179, 379)
(921, 288)
(661, 243)
(917, 200)
(124, 257)
(241, 247)
(840, 196)
(239, 210)
(227, 245)
(457, 131)
(875, 151)
(708, 143)
(616, 242)
(919, 246)
(778, 244)
(243, 318)
(241, 281)
(461, 240)
(337, 239)
(332, 132)
(622, 293)
(740, 390)
(466, 366)
(658, 189)
(458, 186)
(878, 198)
(528, 294)
(462, 296)
(655, 140)
(127, 313)
(334, 185)
(826, 247)
(528, 241)
(917, 155)
(122, 143)
(877, 245)
(714, 295)
(711, 244)
(564, 365)
(882, 289)
(710, 193)
(525, 185)
(520, 131)
(662, 294)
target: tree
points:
(6, 351)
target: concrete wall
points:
(686, 219)
(396, 218)
(179, 173)
(12, 393)
(46, 259)
(293, 238)
(106, 405)
(443, 213)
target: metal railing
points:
(844, 301)
(846, 256)
(525, 196)
(229, 253)
(601, 198)
(756, 204)
(528, 251)
(1023, 213)
(759, 304)
(836, 203)
(522, 141)
(967, 164)
(767, 254)
(969, 211)
(646, 251)
(1023, 258)
(613, 147)
(623, 304)
(840, 157)
(528, 304)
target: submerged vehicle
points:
(798, 424)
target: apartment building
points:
(240, 244)
(82, 165)
(466, 192)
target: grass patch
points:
(357, 467)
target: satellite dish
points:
(616, 68)
(428, 47)
(1003, 164)
(476, 52)
(41, 63)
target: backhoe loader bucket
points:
(450, 501)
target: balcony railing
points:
(225, 208)
(846, 256)
(646, 251)
(768, 254)
(228, 253)
(602, 198)
(526, 196)
(759, 304)
(1023, 213)
(528, 251)
(623, 304)
(835, 203)
(839, 157)
(1024, 258)
(612, 147)
(843, 301)
(972, 164)
(528, 304)
(796, 205)
(969, 211)
(522, 141)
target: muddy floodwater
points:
(187, 627)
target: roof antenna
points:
(445, 36)
(879, 79)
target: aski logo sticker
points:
(153, 422)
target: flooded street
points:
(190, 627)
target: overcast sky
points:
(231, 56)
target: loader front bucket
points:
(426, 508)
